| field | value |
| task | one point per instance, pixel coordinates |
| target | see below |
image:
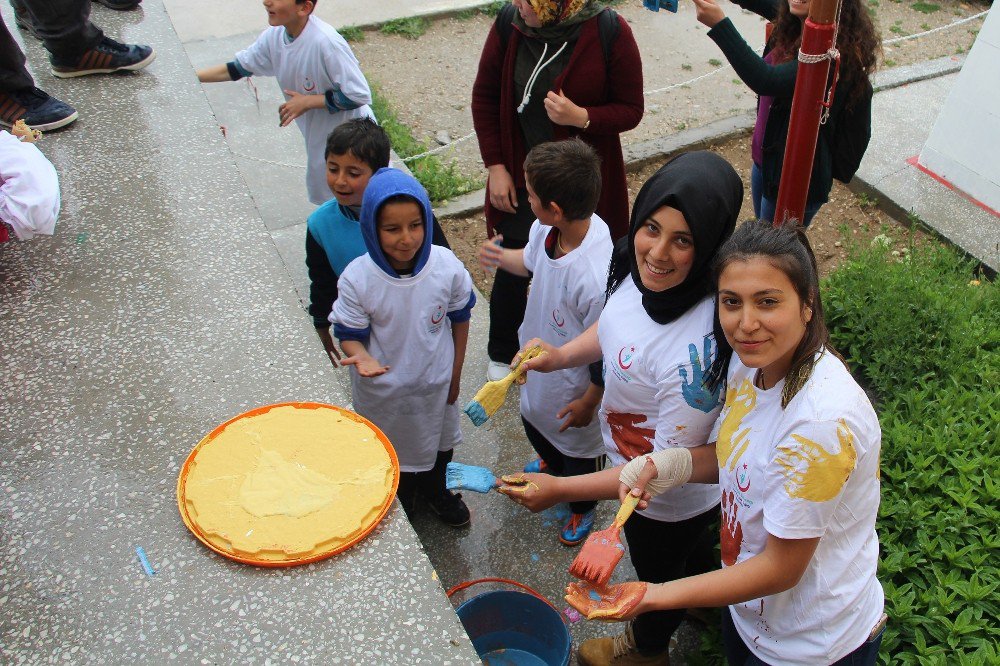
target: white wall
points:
(964, 145)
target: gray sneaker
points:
(106, 57)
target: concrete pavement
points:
(160, 309)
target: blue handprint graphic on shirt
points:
(695, 392)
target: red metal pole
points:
(803, 126)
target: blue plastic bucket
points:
(511, 628)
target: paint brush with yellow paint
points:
(489, 398)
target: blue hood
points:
(387, 183)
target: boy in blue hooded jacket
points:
(402, 318)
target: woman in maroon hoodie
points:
(550, 70)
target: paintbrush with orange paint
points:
(603, 550)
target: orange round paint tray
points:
(287, 484)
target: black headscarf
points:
(706, 189)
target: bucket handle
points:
(529, 590)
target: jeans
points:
(66, 31)
(662, 551)
(509, 297)
(560, 464)
(738, 654)
(763, 208)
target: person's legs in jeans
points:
(510, 292)
(659, 552)
(63, 25)
(756, 189)
(13, 74)
(763, 208)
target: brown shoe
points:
(618, 650)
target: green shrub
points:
(441, 180)
(926, 338)
(352, 33)
(411, 27)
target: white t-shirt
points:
(316, 61)
(411, 333)
(653, 395)
(566, 297)
(29, 188)
(809, 470)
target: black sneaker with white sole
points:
(106, 57)
(36, 108)
(450, 509)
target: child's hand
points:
(580, 413)
(456, 381)
(366, 365)
(298, 104)
(490, 254)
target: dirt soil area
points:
(847, 218)
(429, 80)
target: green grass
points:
(925, 7)
(715, 62)
(865, 201)
(686, 67)
(493, 8)
(442, 181)
(352, 33)
(411, 28)
(925, 336)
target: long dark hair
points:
(787, 249)
(858, 41)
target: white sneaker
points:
(496, 371)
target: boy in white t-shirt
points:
(402, 317)
(316, 70)
(567, 257)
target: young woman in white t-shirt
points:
(796, 455)
(656, 338)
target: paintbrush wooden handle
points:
(628, 506)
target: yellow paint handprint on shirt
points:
(814, 474)
(733, 442)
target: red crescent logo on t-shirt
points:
(558, 318)
(308, 86)
(437, 315)
(627, 358)
(741, 477)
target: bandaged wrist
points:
(674, 467)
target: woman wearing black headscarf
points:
(656, 336)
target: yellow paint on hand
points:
(733, 442)
(288, 483)
(814, 474)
